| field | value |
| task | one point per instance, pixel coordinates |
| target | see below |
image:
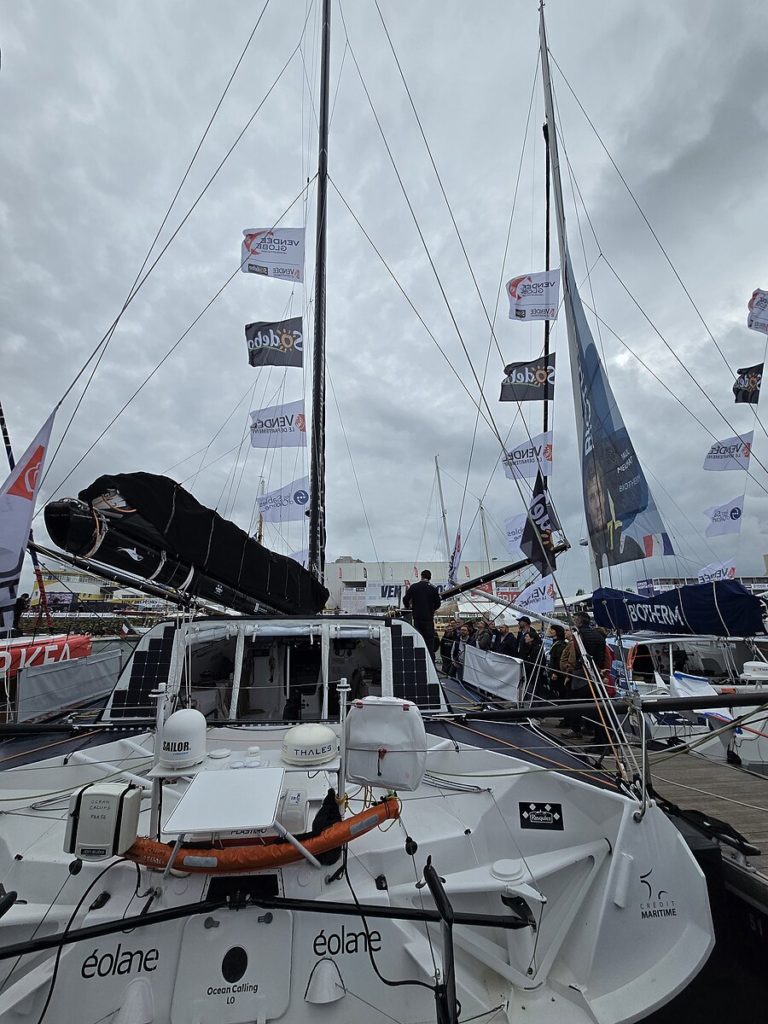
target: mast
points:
(317, 483)
(32, 552)
(443, 511)
(260, 527)
(547, 190)
(484, 529)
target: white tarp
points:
(534, 296)
(717, 571)
(17, 504)
(279, 426)
(287, 503)
(732, 453)
(496, 673)
(46, 689)
(273, 252)
(757, 318)
(725, 518)
(526, 459)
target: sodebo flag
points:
(273, 252)
(725, 518)
(534, 296)
(290, 502)
(17, 504)
(279, 426)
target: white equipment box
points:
(386, 743)
(103, 820)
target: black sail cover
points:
(150, 526)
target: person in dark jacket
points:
(483, 637)
(594, 645)
(557, 678)
(529, 650)
(423, 600)
(446, 647)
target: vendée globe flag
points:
(534, 296)
(17, 505)
(731, 453)
(757, 318)
(279, 426)
(273, 252)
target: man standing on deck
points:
(423, 599)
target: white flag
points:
(757, 318)
(539, 596)
(732, 453)
(302, 557)
(513, 527)
(455, 561)
(17, 504)
(279, 426)
(273, 252)
(717, 571)
(528, 458)
(286, 504)
(725, 518)
(534, 296)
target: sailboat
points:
(279, 816)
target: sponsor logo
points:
(541, 816)
(535, 377)
(285, 340)
(278, 424)
(300, 497)
(26, 482)
(120, 962)
(175, 746)
(724, 515)
(660, 615)
(523, 287)
(343, 941)
(657, 903)
(268, 241)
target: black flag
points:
(529, 382)
(536, 542)
(275, 344)
(747, 386)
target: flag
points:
(541, 521)
(732, 453)
(747, 387)
(278, 343)
(273, 252)
(279, 426)
(717, 571)
(513, 527)
(285, 504)
(534, 296)
(17, 505)
(539, 596)
(529, 382)
(529, 458)
(455, 559)
(657, 544)
(757, 318)
(725, 518)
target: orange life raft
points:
(255, 856)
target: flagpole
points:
(317, 483)
(547, 192)
(35, 561)
(443, 511)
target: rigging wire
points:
(105, 341)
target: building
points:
(369, 587)
(658, 584)
(74, 592)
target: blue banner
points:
(722, 608)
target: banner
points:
(529, 458)
(17, 504)
(286, 504)
(353, 601)
(275, 344)
(725, 518)
(496, 673)
(717, 571)
(746, 390)
(724, 608)
(273, 252)
(513, 527)
(732, 453)
(539, 596)
(529, 382)
(757, 318)
(534, 296)
(541, 521)
(18, 654)
(455, 561)
(382, 595)
(279, 426)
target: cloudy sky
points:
(101, 107)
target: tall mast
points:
(317, 484)
(260, 527)
(546, 264)
(484, 529)
(443, 511)
(32, 552)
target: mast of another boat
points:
(484, 530)
(33, 554)
(443, 510)
(260, 527)
(317, 481)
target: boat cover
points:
(720, 608)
